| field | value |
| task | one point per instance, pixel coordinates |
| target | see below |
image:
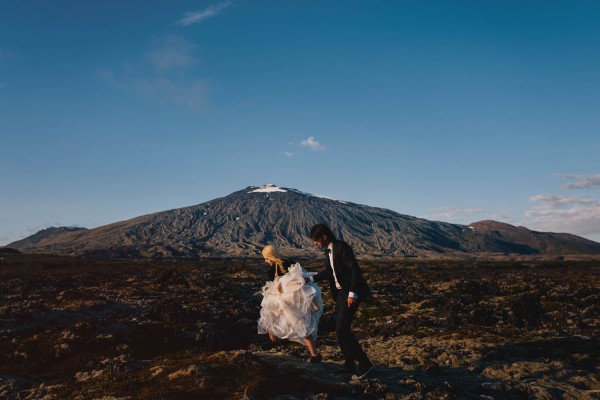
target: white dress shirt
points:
(330, 254)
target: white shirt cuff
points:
(352, 294)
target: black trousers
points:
(344, 316)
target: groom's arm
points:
(320, 276)
(349, 260)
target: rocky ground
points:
(504, 328)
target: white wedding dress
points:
(291, 306)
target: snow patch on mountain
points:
(329, 198)
(268, 188)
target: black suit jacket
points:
(347, 271)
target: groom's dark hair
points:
(320, 230)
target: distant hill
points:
(242, 223)
(44, 234)
(8, 250)
(541, 242)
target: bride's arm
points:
(315, 276)
(308, 275)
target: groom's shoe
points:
(362, 371)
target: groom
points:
(349, 289)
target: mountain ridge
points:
(243, 222)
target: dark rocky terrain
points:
(242, 223)
(523, 327)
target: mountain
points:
(31, 241)
(242, 223)
(542, 242)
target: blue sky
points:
(449, 110)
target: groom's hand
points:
(351, 301)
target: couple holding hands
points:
(292, 303)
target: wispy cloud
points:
(199, 16)
(288, 154)
(6, 55)
(503, 215)
(451, 214)
(172, 52)
(191, 93)
(581, 181)
(312, 144)
(552, 202)
(162, 75)
(577, 215)
(8, 236)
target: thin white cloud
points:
(108, 76)
(559, 202)
(579, 216)
(581, 181)
(8, 236)
(450, 214)
(502, 216)
(312, 144)
(507, 219)
(199, 16)
(192, 94)
(6, 55)
(172, 52)
(163, 81)
(288, 154)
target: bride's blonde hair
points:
(270, 253)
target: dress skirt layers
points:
(291, 307)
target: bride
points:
(291, 306)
